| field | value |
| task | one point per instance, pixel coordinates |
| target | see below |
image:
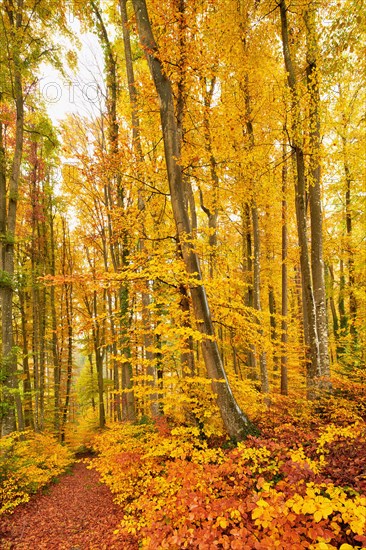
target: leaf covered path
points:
(78, 513)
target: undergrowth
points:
(28, 462)
(301, 484)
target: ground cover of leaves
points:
(77, 513)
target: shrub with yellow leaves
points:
(28, 462)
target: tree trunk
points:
(36, 307)
(349, 247)
(212, 213)
(248, 264)
(122, 408)
(284, 283)
(187, 356)
(333, 309)
(35, 348)
(7, 232)
(148, 337)
(257, 298)
(128, 402)
(27, 385)
(256, 235)
(92, 308)
(91, 372)
(316, 216)
(272, 306)
(67, 270)
(235, 421)
(55, 343)
(313, 371)
(99, 364)
(111, 78)
(69, 320)
(131, 81)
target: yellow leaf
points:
(318, 516)
(297, 507)
(257, 512)
(327, 510)
(308, 507)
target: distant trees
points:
(207, 236)
(26, 143)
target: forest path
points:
(78, 513)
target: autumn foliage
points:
(182, 266)
(301, 484)
(28, 462)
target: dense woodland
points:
(186, 265)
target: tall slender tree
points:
(12, 23)
(313, 367)
(236, 422)
(314, 188)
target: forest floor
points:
(77, 513)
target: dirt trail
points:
(78, 513)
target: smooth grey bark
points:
(284, 281)
(248, 133)
(257, 297)
(55, 341)
(27, 385)
(69, 363)
(187, 355)
(128, 401)
(337, 332)
(256, 234)
(111, 76)
(118, 248)
(313, 369)
(35, 348)
(314, 191)
(272, 306)
(67, 268)
(99, 356)
(330, 271)
(110, 203)
(349, 249)
(213, 212)
(132, 90)
(38, 255)
(343, 319)
(148, 338)
(235, 421)
(8, 213)
(248, 264)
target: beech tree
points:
(312, 270)
(207, 221)
(12, 26)
(235, 421)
